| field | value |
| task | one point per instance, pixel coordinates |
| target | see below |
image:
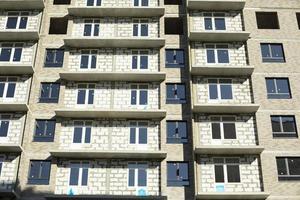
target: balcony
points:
(107, 197)
(10, 148)
(219, 36)
(110, 113)
(84, 42)
(21, 4)
(216, 4)
(99, 11)
(113, 76)
(18, 35)
(92, 154)
(232, 195)
(222, 70)
(228, 149)
(13, 107)
(225, 108)
(16, 69)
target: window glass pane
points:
(11, 22)
(2, 85)
(182, 129)
(183, 171)
(233, 173)
(265, 51)
(144, 30)
(142, 177)
(4, 128)
(208, 23)
(210, 54)
(96, 29)
(77, 135)
(88, 132)
(87, 29)
(34, 170)
(143, 136)
(5, 54)
(172, 171)
(276, 124)
(50, 128)
(144, 62)
(170, 91)
(213, 92)
(84, 61)
(220, 23)
(277, 50)
(282, 86)
(94, 61)
(270, 86)
(85, 174)
(90, 2)
(171, 127)
(288, 124)
(132, 135)
(59, 57)
(169, 56)
(74, 175)
(11, 90)
(145, 2)
(131, 177)
(91, 97)
(23, 22)
(133, 97)
(143, 97)
(49, 57)
(45, 90)
(216, 130)
(45, 171)
(226, 91)
(134, 62)
(179, 56)
(54, 90)
(294, 166)
(81, 97)
(181, 91)
(219, 174)
(229, 131)
(17, 54)
(135, 29)
(281, 166)
(223, 56)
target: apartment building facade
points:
(149, 99)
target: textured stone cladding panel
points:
(240, 89)
(236, 51)
(114, 60)
(118, 93)
(32, 23)
(106, 178)
(109, 135)
(249, 175)
(15, 130)
(21, 89)
(116, 27)
(245, 131)
(8, 171)
(116, 3)
(233, 20)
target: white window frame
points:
(224, 164)
(93, 23)
(138, 90)
(92, 52)
(139, 53)
(219, 89)
(13, 47)
(140, 3)
(87, 89)
(213, 17)
(222, 122)
(6, 82)
(86, 124)
(139, 124)
(6, 117)
(136, 167)
(80, 173)
(19, 16)
(215, 49)
(140, 22)
(94, 3)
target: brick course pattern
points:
(8, 171)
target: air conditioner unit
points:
(220, 187)
(141, 191)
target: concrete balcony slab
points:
(13, 107)
(219, 36)
(21, 4)
(225, 108)
(15, 69)
(94, 42)
(93, 75)
(98, 11)
(216, 4)
(10, 148)
(233, 195)
(106, 197)
(228, 149)
(18, 35)
(219, 70)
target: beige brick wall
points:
(233, 20)
(116, 27)
(116, 3)
(32, 23)
(245, 125)
(15, 129)
(8, 171)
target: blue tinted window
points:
(210, 54)
(177, 174)
(5, 54)
(144, 62)
(174, 58)
(49, 92)
(142, 177)
(44, 130)
(81, 97)
(74, 175)
(278, 88)
(133, 97)
(223, 56)
(54, 58)
(87, 30)
(208, 23)
(272, 53)
(176, 93)
(220, 24)
(23, 23)
(84, 61)
(4, 124)
(11, 22)
(131, 177)
(213, 91)
(11, 90)
(284, 126)
(226, 91)
(176, 132)
(39, 172)
(143, 97)
(144, 30)
(143, 136)
(135, 29)
(17, 55)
